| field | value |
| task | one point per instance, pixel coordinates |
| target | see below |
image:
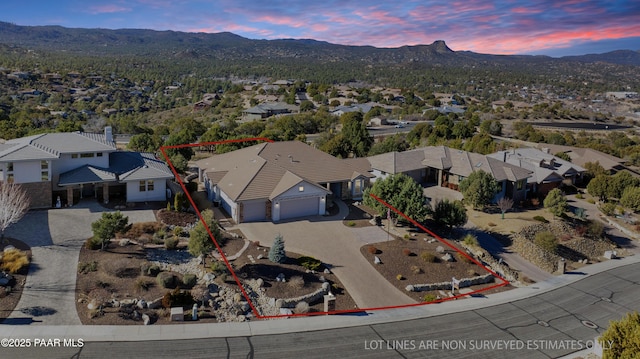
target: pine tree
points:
(277, 253)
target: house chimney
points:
(108, 134)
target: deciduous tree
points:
(14, 203)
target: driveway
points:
(55, 237)
(330, 241)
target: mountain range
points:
(228, 46)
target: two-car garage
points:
(254, 211)
(299, 207)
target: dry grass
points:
(13, 260)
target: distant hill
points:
(228, 46)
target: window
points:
(10, 178)
(44, 176)
(357, 186)
(301, 189)
(99, 154)
(10, 167)
(150, 185)
(44, 165)
(74, 155)
(143, 186)
(87, 155)
(519, 185)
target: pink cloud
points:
(525, 11)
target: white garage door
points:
(299, 207)
(255, 211)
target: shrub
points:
(296, 282)
(310, 263)
(470, 240)
(120, 268)
(177, 298)
(547, 241)
(579, 196)
(171, 243)
(463, 258)
(301, 308)
(406, 236)
(161, 234)
(277, 253)
(143, 284)
(429, 257)
(139, 228)
(608, 209)
(595, 229)
(166, 280)
(92, 244)
(581, 230)
(218, 267)
(429, 298)
(178, 231)
(416, 270)
(180, 201)
(373, 250)
(189, 280)
(351, 223)
(13, 260)
(86, 267)
(591, 200)
(540, 219)
(407, 252)
(400, 277)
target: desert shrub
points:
(491, 224)
(140, 228)
(547, 241)
(13, 260)
(178, 231)
(540, 219)
(581, 230)
(609, 209)
(428, 257)
(142, 284)
(86, 267)
(591, 200)
(470, 240)
(166, 280)
(400, 277)
(296, 282)
(218, 267)
(171, 243)
(416, 270)
(160, 234)
(406, 236)
(407, 252)
(579, 196)
(301, 308)
(351, 223)
(120, 268)
(373, 250)
(102, 284)
(189, 280)
(429, 298)
(595, 229)
(463, 258)
(92, 244)
(310, 263)
(177, 298)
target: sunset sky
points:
(549, 27)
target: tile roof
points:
(261, 170)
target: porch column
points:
(69, 196)
(105, 193)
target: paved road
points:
(328, 240)
(55, 237)
(538, 317)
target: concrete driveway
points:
(330, 241)
(55, 237)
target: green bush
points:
(351, 223)
(218, 267)
(178, 231)
(579, 196)
(92, 244)
(591, 200)
(470, 240)
(149, 269)
(177, 298)
(142, 284)
(547, 241)
(166, 280)
(171, 243)
(189, 280)
(595, 229)
(86, 267)
(310, 263)
(540, 219)
(608, 209)
(428, 257)
(429, 298)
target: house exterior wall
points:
(66, 163)
(39, 193)
(229, 205)
(159, 192)
(27, 172)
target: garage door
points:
(252, 212)
(299, 207)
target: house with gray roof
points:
(548, 171)
(278, 181)
(268, 109)
(447, 167)
(75, 165)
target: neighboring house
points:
(278, 181)
(76, 165)
(269, 109)
(205, 103)
(548, 171)
(447, 167)
(582, 156)
(362, 107)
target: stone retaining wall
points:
(309, 298)
(534, 254)
(494, 264)
(464, 282)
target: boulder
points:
(145, 319)
(440, 249)
(142, 304)
(155, 304)
(447, 258)
(128, 302)
(377, 260)
(327, 271)
(92, 305)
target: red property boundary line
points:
(256, 313)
